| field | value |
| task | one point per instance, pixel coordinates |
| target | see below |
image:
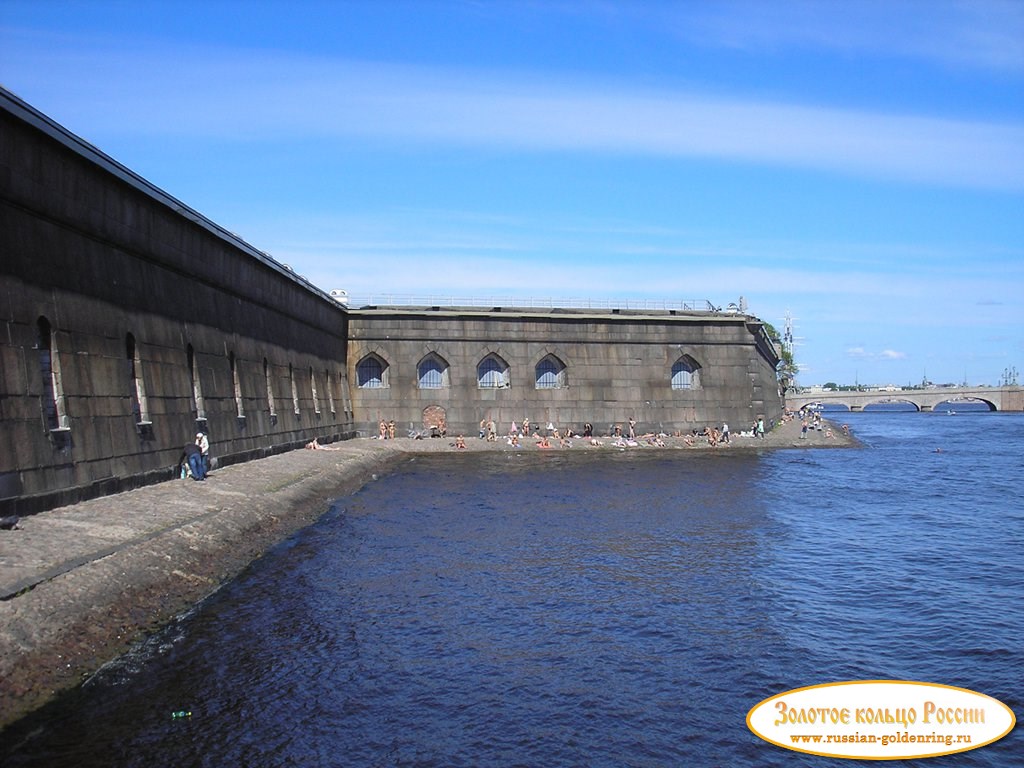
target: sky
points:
(857, 167)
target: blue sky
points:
(858, 165)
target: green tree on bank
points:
(787, 367)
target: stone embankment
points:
(80, 584)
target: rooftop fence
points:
(526, 302)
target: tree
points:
(787, 367)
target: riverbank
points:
(79, 585)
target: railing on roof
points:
(527, 302)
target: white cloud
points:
(975, 34)
(860, 353)
(245, 96)
(472, 254)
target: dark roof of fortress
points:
(28, 114)
(25, 112)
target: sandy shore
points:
(80, 584)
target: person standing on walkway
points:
(192, 456)
(203, 444)
(760, 427)
(725, 433)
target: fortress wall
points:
(102, 256)
(128, 321)
(616, 367)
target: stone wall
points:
(128, 321)
(605, 368)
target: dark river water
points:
(587, 609)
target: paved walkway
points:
(52, 543)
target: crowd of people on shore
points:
(812, 420)
(617, 435)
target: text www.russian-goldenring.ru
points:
(885, 740)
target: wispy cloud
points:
(853, 298)
(859, 353)
(471, 253)
(235, 95)
(976, 34)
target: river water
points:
(587, 609)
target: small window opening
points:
(140, 404)
(54, 414)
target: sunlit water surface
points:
(587, 609)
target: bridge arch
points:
(891, 401)
(955, 403)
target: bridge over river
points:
(996, 398)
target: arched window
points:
(197, 390)
(372, 373)
(432, 372)
(140, 406)
(550, 373)
(685, 373)
(53, 389)
(492, 373)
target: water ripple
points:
(621, 610)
